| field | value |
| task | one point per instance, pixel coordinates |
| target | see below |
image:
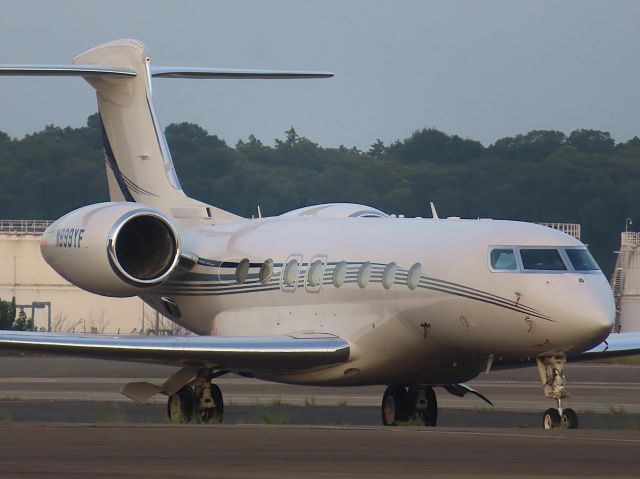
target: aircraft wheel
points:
(180, 406)
(429, 414)
(551, 419)
(569, 418)
(395, 405)
(213, 415)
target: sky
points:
(479, 69)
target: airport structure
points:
(625, 283)
(54, 303)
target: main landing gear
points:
(200, 401)
(401, 404)
(553, 380)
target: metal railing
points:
(23, 227)
(629, 238)
(572, 229)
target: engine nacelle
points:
(113, 249)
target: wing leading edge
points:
(616, 345)
(292, 352)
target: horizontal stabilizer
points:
(223, 352)
(65, 71)
(229, 73)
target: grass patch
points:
(277, 401)
(631, 425)
(275, 418)
(412, 421)
(5, 417)
(616, 409)
(111, 416)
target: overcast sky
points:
(479, 69)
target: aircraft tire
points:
(395, 405)
(180, 406)
(569, 418)
(551, 419)
(215, 414)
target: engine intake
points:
(144, 247)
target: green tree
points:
(22, 322)
(591, 141)
(7, 313)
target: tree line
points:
(544, 175)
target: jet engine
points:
(113, 249)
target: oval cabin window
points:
(266, 271)
(242, 271)
(314, 275)
(290, 275)
(364, 274)
(339, 274)
(413, 276)
(389, 276)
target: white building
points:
(25, 276)
(626, 283)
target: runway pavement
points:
(49, 450)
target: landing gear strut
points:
(553, 380)
(400, 404)
(200, 401)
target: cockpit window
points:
(581, 260)
(542, 259)
(503, 259)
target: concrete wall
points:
(25, 275)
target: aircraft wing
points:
(616, 345)
(289, 352)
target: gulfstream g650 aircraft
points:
(333, 294)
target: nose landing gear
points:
(553, 381)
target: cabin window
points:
(503, 259)
(242, 271)
(389, 276)
(290, 275)
(413, 276)
(547, 259)
(266, 271)
(364, 274)
(314, 275)
(339, 274)
(581, 260)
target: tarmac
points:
(64, 417)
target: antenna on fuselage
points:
(259, 212)
(434, 213)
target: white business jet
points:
(333, 294)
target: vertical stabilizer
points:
(139, 165)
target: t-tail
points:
(139, 164)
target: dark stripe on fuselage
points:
(113, 164)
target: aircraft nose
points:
(593, 309)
